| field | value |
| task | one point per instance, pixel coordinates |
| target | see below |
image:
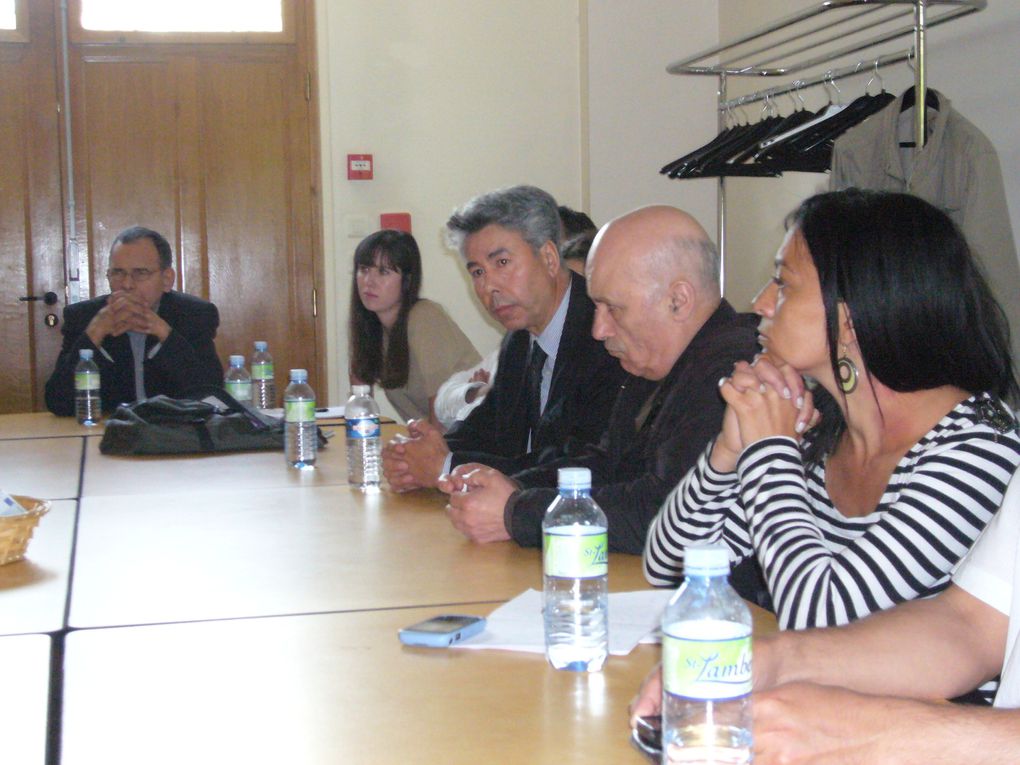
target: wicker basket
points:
(16, 531)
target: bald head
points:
(659, 244)
(654, 276)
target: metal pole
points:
(920, 108)
(721, 194)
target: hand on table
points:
(415, 462)
(804, 723)
(649, 697)
(478, 495)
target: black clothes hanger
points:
(931, 101)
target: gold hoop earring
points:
(846, 370)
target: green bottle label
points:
(299, 411)
(706, 659)
(262, 371)
(86, 381)
(576, 556)
(239, 389)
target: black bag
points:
(212, 421)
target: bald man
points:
(654, 277)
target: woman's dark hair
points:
(922, 312)
(398, 250)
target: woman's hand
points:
(764, 399)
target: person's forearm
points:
(935, 648)
(927, 733)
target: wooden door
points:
(31, 230)
(211, 144)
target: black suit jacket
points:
(187, 359)
(584, 386)
(633, 469)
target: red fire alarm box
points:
(359, 167)
(399, 221)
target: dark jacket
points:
(187, 359)
(634, 469)
(584, 385)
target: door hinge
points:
(315, 303)
(308, 86)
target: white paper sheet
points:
(517, 625)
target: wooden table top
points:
(25, 673)
(256, 552)
(332, 688)
(46, 468)
(43, 425)
(33, 591)
(234, 610)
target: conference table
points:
(227, 608)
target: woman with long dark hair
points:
(406, 344)
(878, 300)
(868, 490)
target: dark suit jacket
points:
(187, 359)
(634, 469)
(584, 385)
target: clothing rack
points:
(818, 35)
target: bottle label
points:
(363, 427)
(575, 556)
(239, 389)
(86, 381)
(708, 659)
(299, 411)
(262, 371)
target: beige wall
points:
(456, 97)
(641, 117)
(453, 98)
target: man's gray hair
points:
(695, 257)
(528, 210)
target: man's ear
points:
(681, 300)
(167, 275)
(550, 256)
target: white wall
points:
(453, 98)
(457, 97)
(640, 117)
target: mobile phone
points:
(647, 736)
(441, 631)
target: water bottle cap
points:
(237, 361)
(261, 345)
(299, 375)
(706, 560)
(361, 390)
(85, 354)
(574, 478)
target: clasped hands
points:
(763, 399)
(125, 312)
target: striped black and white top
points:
(821, 567)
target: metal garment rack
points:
(809, 39)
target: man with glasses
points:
(147, 338)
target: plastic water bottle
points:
(237, 381)
(706, 665)
(362, 415)
(262, 377)
(301, 434)
(87, 405)
(575, 557)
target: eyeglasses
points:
(136, 274)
